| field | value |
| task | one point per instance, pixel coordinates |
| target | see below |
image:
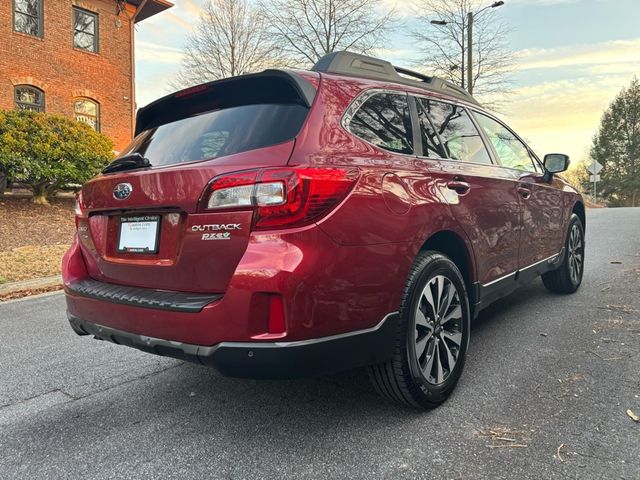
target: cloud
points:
(541, 2)
(158, 53)
(410, 7)
(564, 91)
(179, 21)
(563, 115)
(605, 53)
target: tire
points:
(568, 276)
(412, 376)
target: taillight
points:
(281, 197)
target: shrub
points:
(48, 152)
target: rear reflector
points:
(281, 197)
(277, 324)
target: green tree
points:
(617, 147)
(47, 152)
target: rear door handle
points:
(459, 186)
(524, 191)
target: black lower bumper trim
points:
(267, 360)
(142, 297)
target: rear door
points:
(481, 195)
(542, 232)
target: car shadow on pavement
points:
(349, 392)
(528, 297)
(341, 397)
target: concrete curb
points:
(30, 284)
(31, 297)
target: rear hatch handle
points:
(128, 162)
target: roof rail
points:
(348, 63)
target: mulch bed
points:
(23, 223)
(33, 237)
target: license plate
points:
(139, 234)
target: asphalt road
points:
(545, 373)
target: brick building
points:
(74, 57)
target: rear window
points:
(219, 133)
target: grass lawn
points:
(33, 238)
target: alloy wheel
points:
(438, 329)
(576, 254)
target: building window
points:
(85, 30)
(27, 17)
(29, 98)
(87, 111)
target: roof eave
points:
(149, 8)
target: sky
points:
(572, 58)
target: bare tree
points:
(306, 30)
(445, 45)
(230, 38)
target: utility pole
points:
(469, 50)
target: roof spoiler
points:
(240, 90)
(348, 63)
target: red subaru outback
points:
(294, 223)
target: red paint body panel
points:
(341, 274)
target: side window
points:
(511, 151)
(384, 121)
(461, 139)
(431, 146)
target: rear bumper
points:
(325, 290)
(266, 359)
(142, 297)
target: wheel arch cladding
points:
(578, 209)
(453, 246)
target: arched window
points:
(29, 97)
(87, 111)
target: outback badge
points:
(122, 191)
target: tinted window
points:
(431, 146)
(384, 121)
(511, 151)
(458, 133)
(219, 133)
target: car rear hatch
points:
(142, 224)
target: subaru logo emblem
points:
(122, 191)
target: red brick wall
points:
(53, 65)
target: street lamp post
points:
(469, 52)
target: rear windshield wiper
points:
(128, 162)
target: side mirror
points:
(555, 163)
